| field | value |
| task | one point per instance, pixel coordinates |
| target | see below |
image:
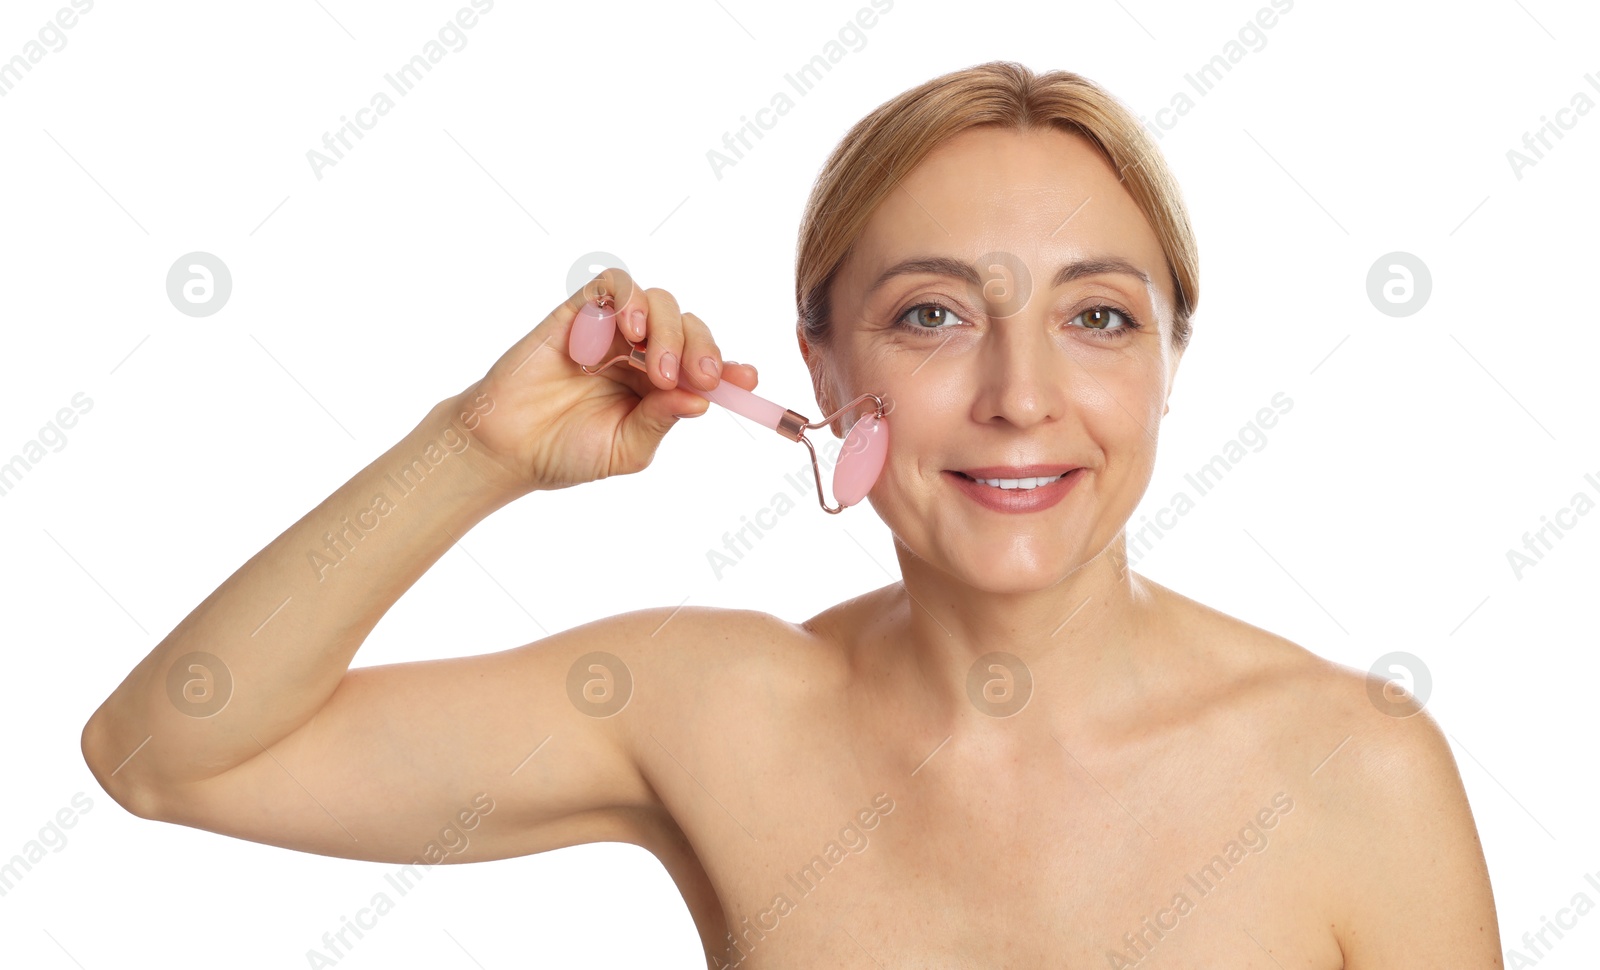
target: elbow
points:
(107, 767)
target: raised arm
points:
(247, 720)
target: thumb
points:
(641, 432)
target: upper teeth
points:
(1019, 482)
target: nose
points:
(1023, 375)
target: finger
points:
(614, 282)
(633, 305)
(640, 433)
(555, 330)
(702, 359)
(617, 284)
(663, 333)
(744, 375)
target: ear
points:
(1172, 377)
(821, 384)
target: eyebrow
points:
(951, 267)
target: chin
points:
(1001, 562)
(1023, 565)
(1017, 571)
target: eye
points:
(1099, 317)
(1098, 320)
(925, 317)
(1101, 322)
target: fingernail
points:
(669, 366)
(688, 415)
(637, 318)
(708, 367)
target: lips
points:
(1015, 471)
(1018, 500)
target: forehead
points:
(1047, 196)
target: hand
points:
(539, 422)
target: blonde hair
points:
(889, 142)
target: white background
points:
(1377, 517)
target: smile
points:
(1009, 483)
(1023, 493)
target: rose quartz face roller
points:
(861, 457)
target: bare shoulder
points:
(1259, 674)
(731, 635)
(688, 653)
(1393, 823)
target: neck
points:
(1080, 641)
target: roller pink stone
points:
(860, 460)
(591, 334)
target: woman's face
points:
(1001, 364)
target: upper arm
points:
(1415, 888)
(465, 759)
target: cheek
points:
(926, 406)
(1123, 402)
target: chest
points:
(833, 849)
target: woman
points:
(1022, 754)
